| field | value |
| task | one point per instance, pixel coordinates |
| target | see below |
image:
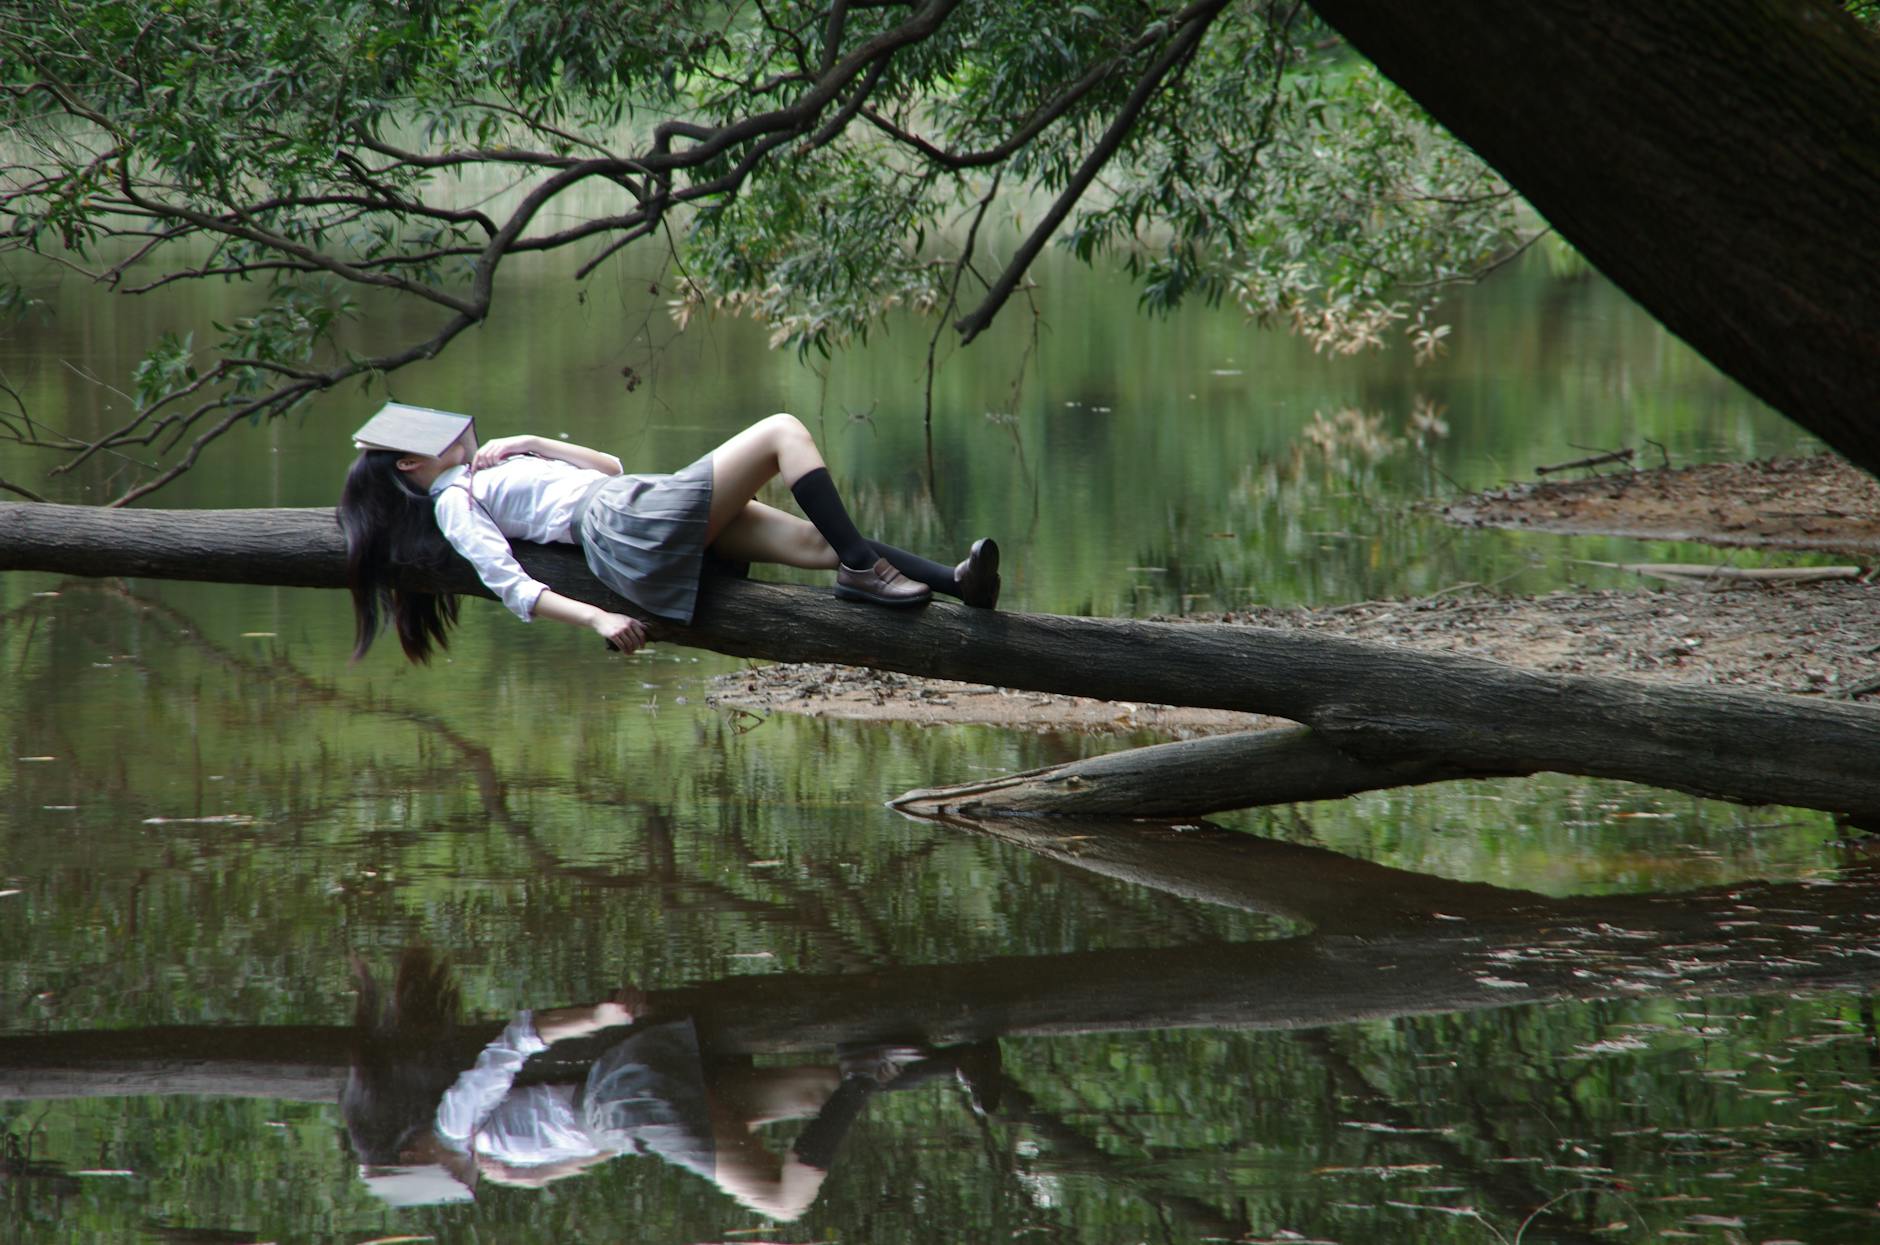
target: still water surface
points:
(1413, 1016)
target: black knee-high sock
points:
(816, 493)
(819, 1142)
(920, 570)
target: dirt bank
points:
(1820, 503)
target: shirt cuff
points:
(526, 597)
(521, 1035)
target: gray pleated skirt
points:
(646, 1095)
(644, 537)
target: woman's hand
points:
(631, 1000)
(624, 633)
(621, 632)
(494, 451)
(611, 1015)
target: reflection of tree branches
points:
(1501, 1187)
(661, 873)
(848, 949)
(17, 1166)
(1873, 1034)
(1071, 1149)
(875, 932)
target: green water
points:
(208, 814)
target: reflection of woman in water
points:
(425, 1131)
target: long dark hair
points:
(403, 1055)
(389, 524)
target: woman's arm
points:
(519, 1176)
(475, 535)
(560, 1023)
(494, 451)
(477, 1091)
(624, 633)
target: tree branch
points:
(27, 493)
(285, 245)
(953, 294)
(1176, 53)
(1042, 117)
(711, 142)
(833, 32)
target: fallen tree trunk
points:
(1191, 778)
(1379, 704)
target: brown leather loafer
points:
(880, 584)
(978, 575)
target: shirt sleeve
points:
(483, 1086)
(475, 535)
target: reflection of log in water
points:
(1387, 944)
(1381, 705)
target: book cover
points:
(411, 429)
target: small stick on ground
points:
(1719, 575)
(1596, 460)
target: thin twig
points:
(11, 487)
(933, 342)
(1174, 55)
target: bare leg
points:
(777, 446)
(756, 1096)
(739, 528)
(744, 1166)
(780, 1188)
(760, 533)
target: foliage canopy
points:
(813, 163)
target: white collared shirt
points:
(521, 498)
(485, 1114)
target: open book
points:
(411, 430)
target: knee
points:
(786, 427)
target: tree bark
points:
(1719, 160)
(1191, 778)
(1377, 703)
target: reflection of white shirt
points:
(483, 1113)
(520, 498)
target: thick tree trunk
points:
(1718, 159)
(1379, 704)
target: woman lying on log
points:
(422, 486)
